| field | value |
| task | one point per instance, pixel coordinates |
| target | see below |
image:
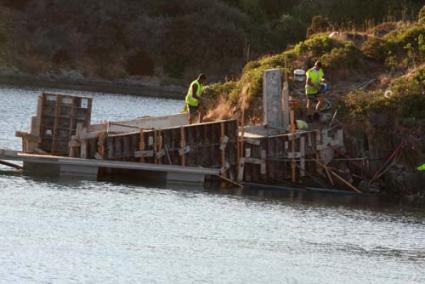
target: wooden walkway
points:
(88, 168)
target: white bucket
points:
(299, 75)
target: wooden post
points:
(223, 150)
(142, 144)
(293, 162)
(100, 155)
(159, 146)
(182, 146)
(318, 143)
(238, 149)
(302, 159)
(155, 145)
(241, 140)
(83, 149)
(285, 99)
(55, 129)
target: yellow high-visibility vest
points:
(190, 100)
(316, 77)
(421, 168)
(301, 124)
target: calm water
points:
(91, 232)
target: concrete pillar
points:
(275, 102)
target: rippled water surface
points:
(58, 232)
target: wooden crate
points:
(58, 119)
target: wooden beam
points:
(230, 181)
(223, 149)
(302, 160)
(293, 162)
(182, 146)
(339, 177)
(4, 163)
(142, 145)
(55, 129)
(144, 154)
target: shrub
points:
(228, 90)
(348, 57)
(407, 99)
(397, 40)
(318, 24)
(317, 45)
(421, 15)
(384, 28)
(374, 48)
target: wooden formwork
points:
(269, 159)
(57, 119)
(208, 145)
(60, 116)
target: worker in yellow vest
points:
(421, 168)
(315, 87)
(193, 98)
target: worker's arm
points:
(311, 84)
(195, 91)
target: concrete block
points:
(273, 102)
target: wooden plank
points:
(155, 145)
(254, 161)
(241, 169)
(11, 165)
(231, 182)
(144, 154)
(318, 144)
(182, 146)
(338, 177)
(293, 162)
(302, 160)
(56, 124)
(142, 144)
(110, 148)
(223, 149)
(160, 146)
(263, 165)
(83, 149)
(73, 123)
(100, 155)
(126, 147)
(285, 100)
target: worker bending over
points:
(315, 87)
(193, 98)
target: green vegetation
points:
(421, 15)
(399, 50)
(175, 39)
(335, 54)
(405, 98)
(405, 44)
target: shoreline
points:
(93, 86)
